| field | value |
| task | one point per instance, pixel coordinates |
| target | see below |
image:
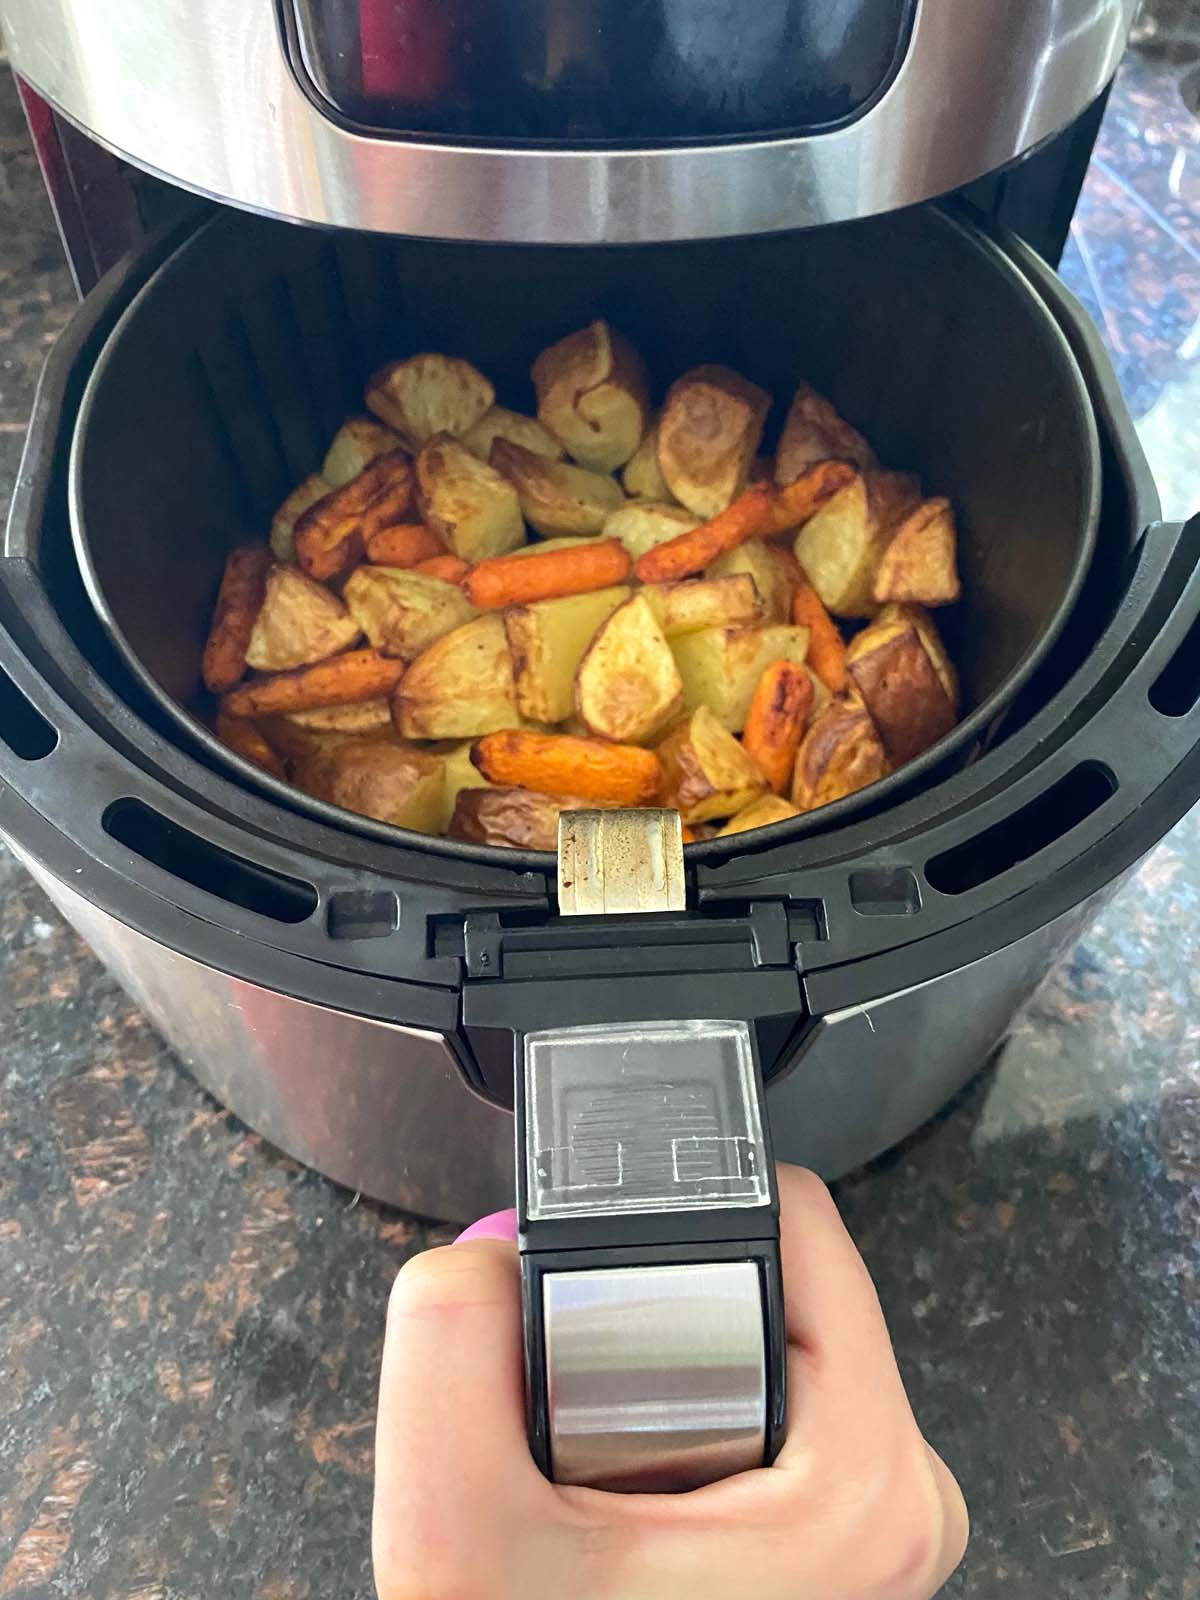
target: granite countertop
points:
(190, 1322)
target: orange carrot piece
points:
(796, 502)
(689, 834)
(341, 681)
(451, 569)
(520, 580)
(404, 545)
(243, 585)
(826, 647)
(331, 536)
(562, 764)
(776, 721)
(245, 740)
(688, 553)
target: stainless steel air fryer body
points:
(569, 121)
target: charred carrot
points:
(548, 575)
(796, 502)
(826, 647)
(561, 764)
(243, 585)
(341, 681)
(404, 545)
(244, 739)
(331, 536)
(451, 569)
(775, 722)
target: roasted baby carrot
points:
(796, 502)
(404, 545)
(331, 536)
(826, 647)
(561, 764)
(451, 569)
(518, 580)
(748, 517)
(340, 681)
(244, 739)
(243, 585)
(776, 721)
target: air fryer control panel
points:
(576, 71)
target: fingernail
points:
(500, 1225)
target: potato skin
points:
(594, 395)
(814, 431)
(518, 818)
(840, 754)
(377, 778)
(556, 498)
(708, 436)
(899, 685)
(919, 563)
(470, 505)
(429, 394)
(300, 622)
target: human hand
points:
(857, 1506)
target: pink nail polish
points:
(500, 1225)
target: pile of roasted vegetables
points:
(465, 623)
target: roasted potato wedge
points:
(759, 814)
(461, 686)
(367, 716)
(548, 640)
(840, 548)
(720, 667)
(695, 603)
(815, 432)
(402, 612)
(556, 498)
(567, 542)
(301, 621)
(501, 423)
(840, 754)
(460, 773)
(708, 435)
(927, 630)
(628, 687)
(760, 563)
(466, 502)
(283, 523)
(427, 395)
(919, 562)
(643, 524)
(514, 817)
(358, 442)
(899, 685)
(707, 773)
(593, 395)
(379, 778)
(642, 476)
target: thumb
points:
(450, 1442)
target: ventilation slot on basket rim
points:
(185, 855)
(22, 726)
(1177, 688)
(1025, 833)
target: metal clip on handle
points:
(655, 1355)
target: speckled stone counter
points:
(190, 1323)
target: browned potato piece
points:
(461, 686)
(471, 505)
(593, 394)
(708, 434)
(759, 814)
(403, 612)
(642, 524)
(919, 561)
(366, 716)
(548, 640)
(926, 628)
(760, 563)
(355, 445)
(628, 687)
(720, 667)
(840, 548)
(815, 432)
(283, 523)
(708, 774)
(515, 817)
(642, 475)
(899, 685)
(556, 498)
(429, 394)
(840, 754)
(501, 423)
(378, 778)
(695, 603)
(300, 622)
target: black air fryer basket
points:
(200, 381)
